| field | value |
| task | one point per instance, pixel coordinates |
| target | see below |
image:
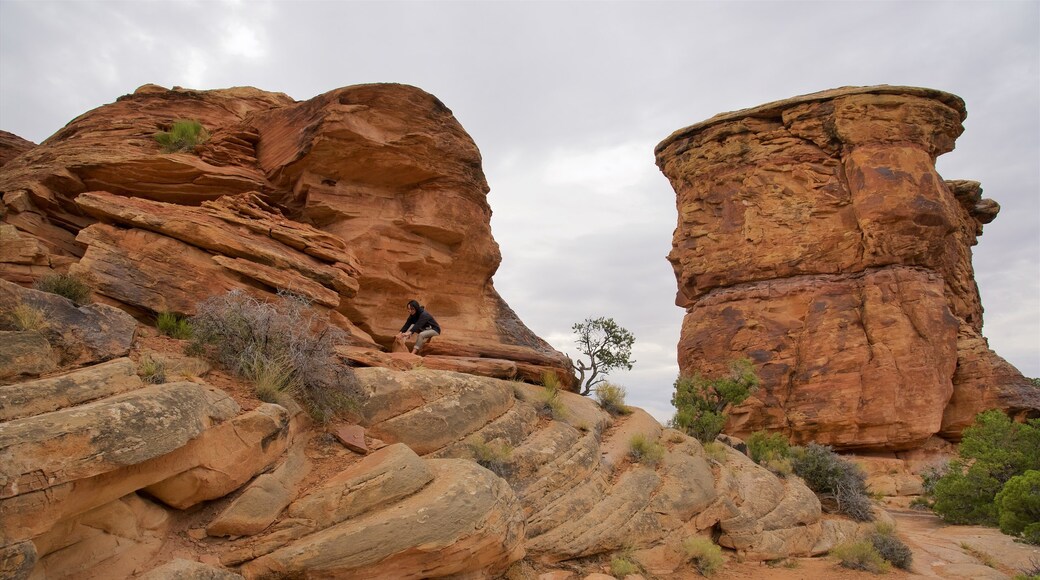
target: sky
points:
(566, 101)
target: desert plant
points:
(890, 547)
(273, 377)
(1018, 506)
(1032, 572)
(621, 566)
(764, 446)
(834, 480)
(245, 334)
(612, 398)
(75, 287)
(27, 317)
(993, 450)
(715, 451)
(151, 370)
(172, 325)
(550, 401)
(860, 555)
(644, 450)
(184, 135)
(493, 457)
(607, 345)
(704, 554)
(701, 403)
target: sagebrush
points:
(253, 338)
(861, 555)
(75, 287)
(611, 398)
(891, 548)
(840, 484)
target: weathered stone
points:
(265, 498)
(17, 560)
(12, 146)
(25, 353)
(471, 524)
(819, 190)
(73, 388)
(352, 437)
(181, 569)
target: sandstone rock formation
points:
(816, 238)
(359, 199)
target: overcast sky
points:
(566, 102)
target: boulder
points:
(25, 353)
(817, 233)
(69, 389)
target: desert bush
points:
(184, 135)
(1031, 572)
(250, 337)
(621, 566)
(172, 325)
(701, 403)
(75, 287)
(891, 548)
(496, 458)
(550, 401)
(715, 451)
(993, 450)
(273, 378)
(644, 450)
(704, 554)
(27, 317)
(764, 446)
(1018, 506)
(834, 480)
(151, 370)
(611, 398)
(860, 555)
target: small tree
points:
(700, 403)
(607, 345)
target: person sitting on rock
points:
(421, 323)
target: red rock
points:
(12, 146)
(352, 437)
(815, 236)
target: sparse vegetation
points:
(861, 555)
(891, 548)
(979, 555)
(72, 286)
(27, 317)
(273, 378)
(840, 484)
(715, 451)
(495, 456)
(704, 554)
(701, 403)
(611, 398)
(151, 370)
(172, 325)
(621, 566)
(184, 135)
(550, 401)
(607, 345)
(255, 339)
(1030, 573)
(644, 450)
(994, 451)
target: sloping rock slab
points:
(467, 522)
(25, 353)
(74, 388)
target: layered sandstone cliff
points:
(359, 199)
(815, 237)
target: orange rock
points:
(816, 237)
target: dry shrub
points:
(27, 317)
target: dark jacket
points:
(421, 321)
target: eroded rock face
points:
(816, 237)
(359, 199)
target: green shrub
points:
(173, 326)
(496, 458)
(1018, 506)
(700, 403)
(891, 548)
(992, 452)
(550, 401)
(184, 135)
(249, 336)
(834, 480)
(764, 446)
(860, 555)
(715, 451)
(75, 287)
(704, 554)
(621, 566)
(27, 317)
(151, 370)
(644, 450)
(611, 398)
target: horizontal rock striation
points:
(815, 236)
(359, 199)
